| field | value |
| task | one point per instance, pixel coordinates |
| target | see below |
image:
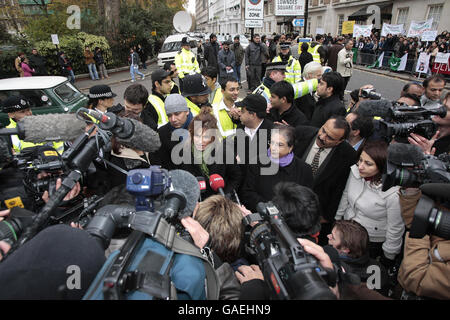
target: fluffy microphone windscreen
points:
(405, 154)
(374, 108)
(186, 183)
(144, 138)
(52, 127)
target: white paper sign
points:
(254, 10)
(392, 29)
(362, 30)
(253, 23)
(429, 35)
(55, 39)
(442, 57)
(417, 28)
(289, 7)
(423, 62)
(320, 31)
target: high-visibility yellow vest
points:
(19, 145)
(218, 96)
(193, 107)
(158, 104)
(305, 87)
(315, 52)
(224, 122)
(186, 63)
(293, 69)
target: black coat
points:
(325, 108)
(293, 116)
(259, 188)
(306, 104)
(211, 54)
(331, 177)
(304, 58)
(98, 57)
(231, 173)
(38, 62)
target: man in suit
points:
(330, 157)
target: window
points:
(271, 7)
(319, 22)
(33, 96)
(340, 22)
(320, 2)
(402, 15)
(67, 92)
(435, 13)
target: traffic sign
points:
(298, 22)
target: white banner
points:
(320, 31)
(429, 35)
(423, 62)
(442, 57)
(289, 7)
(403, 62)
(392, 29)
(362, 30)
(417, 28)
(254, 9)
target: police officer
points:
(101, 98)
(196, 92)
(186, 62)
(17, 108)
(293, 69)
(318, 51)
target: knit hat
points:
(175, 103)
(15, 103)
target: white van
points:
(172, 45)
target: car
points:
(172, 45)
(47, 94)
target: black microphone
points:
(375, 108)
(403, 154)
(186, 184)
(202, 186)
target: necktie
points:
(315, 162)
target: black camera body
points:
(290, 272)
(370, 94)
(402, 120)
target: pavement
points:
(116, 76)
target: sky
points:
(191, 6)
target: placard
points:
(347, 27)
(442, 57)
(429, 35)
(320, 31)
(423, 62)
(55, 39)
(417, 28)
(391, 29)
(362, 30)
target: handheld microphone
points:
(403, 154)
(201, 185)
(217, 183)
(186, 184)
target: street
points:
(388, 87)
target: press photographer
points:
(423, 273)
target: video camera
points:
(406, 119)
(408, 167)
(370, 94)
(290, 272)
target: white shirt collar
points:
(251, 132)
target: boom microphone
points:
(403, 154)
(144, 138)
(47, 127)
(375, 108)
(185, 183)
(217, 183)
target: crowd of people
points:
(291, 140)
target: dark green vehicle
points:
(45, 94)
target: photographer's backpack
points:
(162, 266)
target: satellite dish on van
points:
(182, 21)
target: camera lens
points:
(441, 225)
(10, 229)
